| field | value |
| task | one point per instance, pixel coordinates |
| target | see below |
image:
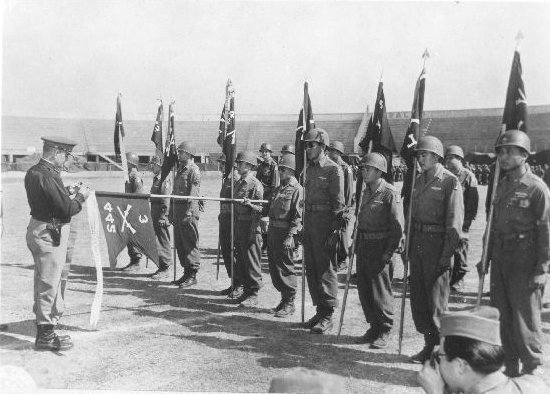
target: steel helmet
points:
(454, 150)
(187, 147)
(132, 158)
(375, 160)
(156, 160)
(288, 149)
(514, 138)
(222, 158)
(429, 143)
(248, 157)
(337, 146)
(288, 161)
(266, 147)
(317, 135)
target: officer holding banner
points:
(47, 234)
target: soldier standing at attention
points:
(437, 215)
(247, 230)
(520, 254)
(287, 149)
(185, 215)
(380, 230)
(47, 236)
(159, 215)
(335, 152)
(268, 175)
(134, 184)
(453, 161)
(285, 220)
(324, 204)
(224, 219)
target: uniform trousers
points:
(321, 274)
(49, 263)
(224, 220)
(519, 306)
(248, 240)
(134, 253)
(429, 290)
(374, 278)
(281, 264)
(164, 247)
(460, 261)
(186, 240)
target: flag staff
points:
(171, 130)
(229, 92)
(305, 128)
(120, 127)
(425, 56)
(487, 235)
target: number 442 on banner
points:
(126, 218)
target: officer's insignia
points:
(324, 178)
(524, 203)
(520, 194)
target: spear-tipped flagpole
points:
(305, 126)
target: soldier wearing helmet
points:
(335, 151)
(324, 205)
(224, 220)
(134, 184)
(184, 214)
(287, 149)
(248, 272)
(285, 220)
(159, 215)
(268, 175)
(519, 249)
(380, 229)
(437, 212)
(454, 157)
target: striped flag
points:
(170, 151)
(156, 137)
(227, 136)
(412, 135)
(119, 127)
(305, 123)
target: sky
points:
(71, 58)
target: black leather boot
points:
(325, 323)
(191, 280)
(47, 339)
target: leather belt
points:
(429, 228)
(278, 223)
(374, 235)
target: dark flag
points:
(365, 142)
(305, 123)
(126, 218)
(119, 127)
(412, 135)
(156, 137)
(227, 137)
(170, 151)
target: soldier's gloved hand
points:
(444, 265)
(480, 268)
(288, 242)
(163, 223)
(246, 202)
(537, 281)
(84, 192)
(264, 224)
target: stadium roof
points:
(473, 129)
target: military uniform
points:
(324, 201)
(437, 216)
(159, 215)
(380, 229)
(248, 271)
(349, 203)
(185, 217)
(520, 249)
(134, 184)
(285, 220)
(471, 200)
(224, 219)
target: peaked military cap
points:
(479, 323)
(59, 143)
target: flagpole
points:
(487, 235)
(425, 56)
(122, 144)
(173, 171)
(219, 247)
(228, 92)
(305, 123)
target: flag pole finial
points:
(229, 89)
(518, 39)
(382, 74)
(425, 56)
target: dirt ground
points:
(153, 336)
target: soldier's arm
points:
(541, 207)
(454, 217)
(296, 211)
(64, 206)
(257, 193)
(165, 189)
(336, 194)
(471, 204)
(348, 183)
(397, 223)
(276, 181)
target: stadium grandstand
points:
(473, 129)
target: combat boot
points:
(382, 339)
(190, 281)
(249, 300)
(131, 267)
(325, 323)
(430, 341)
(511, 368)
(47, 339)
(160, 273)
(236, 292)
(314, 320)
(368, 337)
(181, 279)
(278, 307)
(287, 309)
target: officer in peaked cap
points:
(185, 215)
(454, 157)
(324, 204)
(52, 206)
(470, 358)
(159, 215)
(285, 220)
(437, 212)
(380, 230)
(134, 184)
(248, 272)
(519, 249)
(287, 149)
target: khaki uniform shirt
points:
(187, 183)
(251, 188)
(521, 209)
(438, 201)
(468, 182)
(349, 187)
(286, 206)
(160, 206)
